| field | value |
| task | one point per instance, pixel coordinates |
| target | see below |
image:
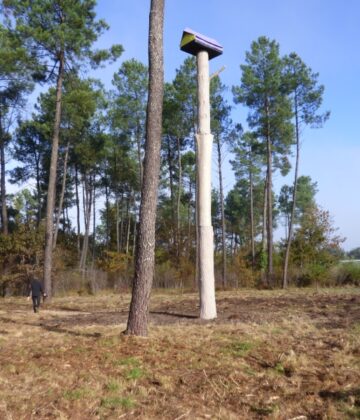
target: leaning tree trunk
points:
(61, 196)
(52, 182)
(144, 264)
(222, 212)
(292, 216)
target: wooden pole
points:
(204, 141)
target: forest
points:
(76, 164)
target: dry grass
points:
(269, 354)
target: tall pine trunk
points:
(293, 207)
(77, 209)
(144, 265)
(252, 230)
(4, 214)
(87, 204)
(222, 210)
(49, 228)
(178, 219)
(61, 196)
(172, 195)
(264, 280)
(269, 224)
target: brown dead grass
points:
(278, 355)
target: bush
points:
(346, 274)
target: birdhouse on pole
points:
(204, 48)
(192, 42)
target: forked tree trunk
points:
(87, 204)
(144, 265)
(52, 182)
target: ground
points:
(269, 354)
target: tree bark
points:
(77, 209)
(87, 204)
(4, 214)
(128, 227)
(178, 221)
(61, 196)
(252, 230)
(117, 225)
(222, 209)
(52, 182)
(292, 217)
(144, 266)
(263, 246)
(94, 227)
(269, 202)
(138, 143)
(172, 195)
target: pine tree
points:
(144, 265)
(306, 98)
(262, 91)
(60, 34)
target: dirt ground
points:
(269, 354)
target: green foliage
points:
(305, 197)
(51, 29)
(346, 273)
(354, 253)
(261, 90)
(315, 246)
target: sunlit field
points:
(281, 355)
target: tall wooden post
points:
(204, 141)
(204, 48)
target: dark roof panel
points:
(192, 42)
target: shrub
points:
(346, 274)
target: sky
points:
(324, 33)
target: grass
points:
(76, 394)
(135, 373)
(114, 402)
(240, 348)
(294, 353)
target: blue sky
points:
(324, 33)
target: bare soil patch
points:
(269, 354)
